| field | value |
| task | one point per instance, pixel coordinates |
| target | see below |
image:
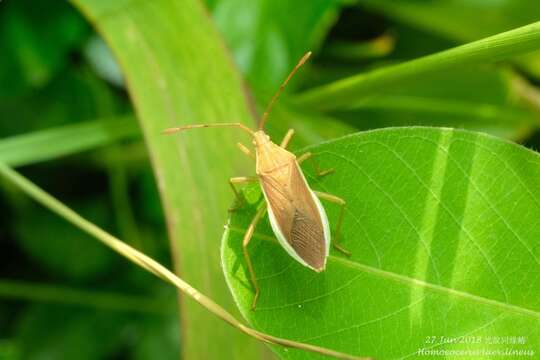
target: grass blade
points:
(492, 49)
(178, 72)
(49, 144)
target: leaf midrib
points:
(411, 281)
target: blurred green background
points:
(65, 296)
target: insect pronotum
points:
(296, 215)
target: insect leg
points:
(318, 170)
(245, 150)
(303, 157)
(287, 138)
(239, 197)
(342, 204)
(245, 242)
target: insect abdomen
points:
(296, 216)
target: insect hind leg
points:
(318, 170)
(245, 242)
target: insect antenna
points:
(281, 88)
(196, 126)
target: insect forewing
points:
(296, 214)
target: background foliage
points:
(67, 122)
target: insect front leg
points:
(245, 242)
(342, 204)
(287, 138)
(318, 170)
(239, 197)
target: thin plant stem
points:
(341, 93)
(153, 266)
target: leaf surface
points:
(267, 37)
(444, 233)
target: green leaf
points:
(178, 72)
(34, 47)
(267, 37)
(76, 95)
(52, 143)
(443, 229)
(499, 47)
(476, 98)
(486, 98)
(458, 19)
